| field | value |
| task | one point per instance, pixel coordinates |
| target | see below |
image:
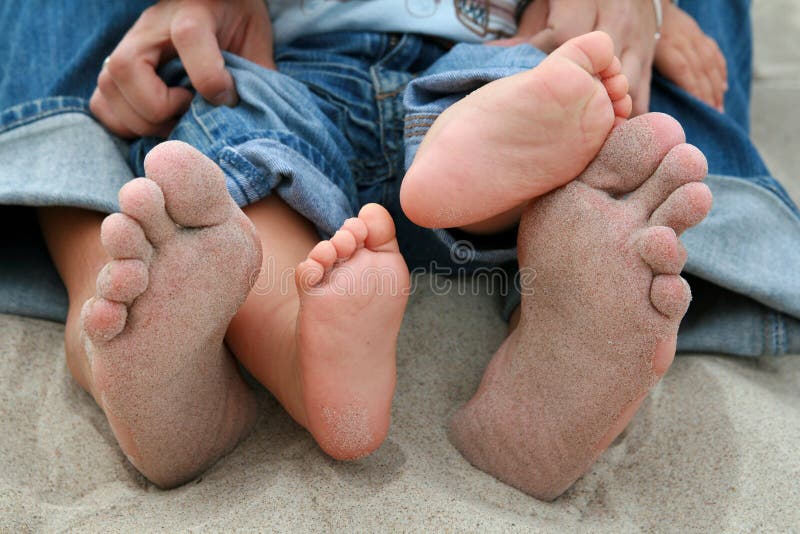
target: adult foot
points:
(353, 292)
(518, 137)
(184, 261)
(599, 322)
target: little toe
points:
(142, 200)
(632, 153)
(308, 274)
(660, 248)
(345, 244)
(103, 319)
(123, 238)
(122, 280)
(685, 207)
(682, 165)
(193, 185)
(380, 228)
(670, 295)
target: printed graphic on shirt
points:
(422, 8)
(484, 17)
(481, 17)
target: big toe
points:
(632, 153)
(380, 228)
(193, 185)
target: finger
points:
(533, 19)
(513, 41)
(193, 33)
(702, 64)
(122, 111)
(718, 73)
(133, 69)
(565, 20)
(675, 65)
(103, 112)
(644, 90)
(257, 41)
(632, 68)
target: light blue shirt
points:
(456, 20)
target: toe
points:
(685, 207)
(142, 200)
(308, 274)
(616, 86)
(670, 295)
(632, 153)
(324, 253)
(345, 244)
(103, 319)
(380, 228)
(122, 280)
(123, 238)
(593, 52)
(682, 165)
(622, 108)
(356, 226)
(660, 248)
(193, 185)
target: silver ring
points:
(659, 18)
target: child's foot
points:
(184, 259)
(599, 321)
(518, 137)
(353, 292)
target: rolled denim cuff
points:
(53, 154)
(447, 81)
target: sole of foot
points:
(599, 314)
(353, 292)
(184, 258)
(518, 137)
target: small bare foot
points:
(184, 258)
(518, 137)
(599, 328)
(353, 292)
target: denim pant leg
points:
(52, 152)
(276, 139)
(744, 256)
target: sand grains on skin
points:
(183, 262)
(600, 327)
(353, 293)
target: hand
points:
(131, 100)
(691, 59)
(547, 24)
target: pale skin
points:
(284, 338)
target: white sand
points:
(714, 448)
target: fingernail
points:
(228, 97)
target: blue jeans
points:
(748, 299)
(326, 132)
